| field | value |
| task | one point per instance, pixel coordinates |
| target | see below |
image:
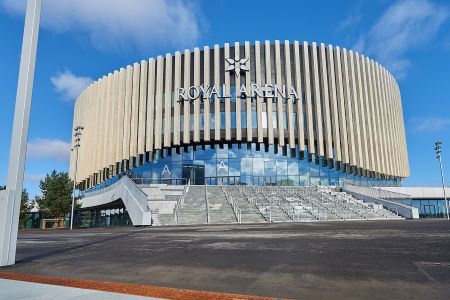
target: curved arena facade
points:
(263, 113)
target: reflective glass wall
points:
(229, 164)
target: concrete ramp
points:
(134, 199)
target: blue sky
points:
(81, 40)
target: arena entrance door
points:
(196, 173)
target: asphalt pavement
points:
(330, 260)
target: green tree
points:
(2, 187)
(24, 207)
(56, 190)
(288, 182)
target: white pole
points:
(9, 214)
(443, 186)
(74, 186)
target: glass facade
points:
(229, 164)
(114, 214)
(428, 208)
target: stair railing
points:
(207, 205)
(234, 205)
(180, 201)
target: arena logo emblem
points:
(166, 170)
(222, 166)
(237, 66)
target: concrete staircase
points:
(272, 209)
(258, 204)
(194, 208)
(249, 212)
(325, 203)
(220, 211)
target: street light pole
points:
(77, 134)
(438, 150)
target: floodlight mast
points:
(78, 131)
(438, 149)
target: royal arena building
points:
(254, 114)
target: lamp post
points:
(438, 149)
(78, 131)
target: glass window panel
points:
(293, 167)
(234, 166)
(176, 170)
(270, 151)
(188, 155)
(176, 156)
(246, 166)
(304, 181)
(257, 153)
(281, 167)
(235, 152)
(314, 169)
(222, 153)
(270, 167)
(258, 166)
(210, 168)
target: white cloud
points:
(405, 25)
(117, 25)
(70, 85)
(352, 20)
(54, 149)
(430, 125)
(33, 178)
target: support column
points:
(9, 209)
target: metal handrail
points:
(257, 202)
(180, 201)
(234, 205)
(170, 181)
(207, 205)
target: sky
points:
(82, 40)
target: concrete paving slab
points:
(19, 290)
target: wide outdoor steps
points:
(220, 212)
(194, 208)
(271, 204)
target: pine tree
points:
(56, 198)
(24, 207)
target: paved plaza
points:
(339, 260)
